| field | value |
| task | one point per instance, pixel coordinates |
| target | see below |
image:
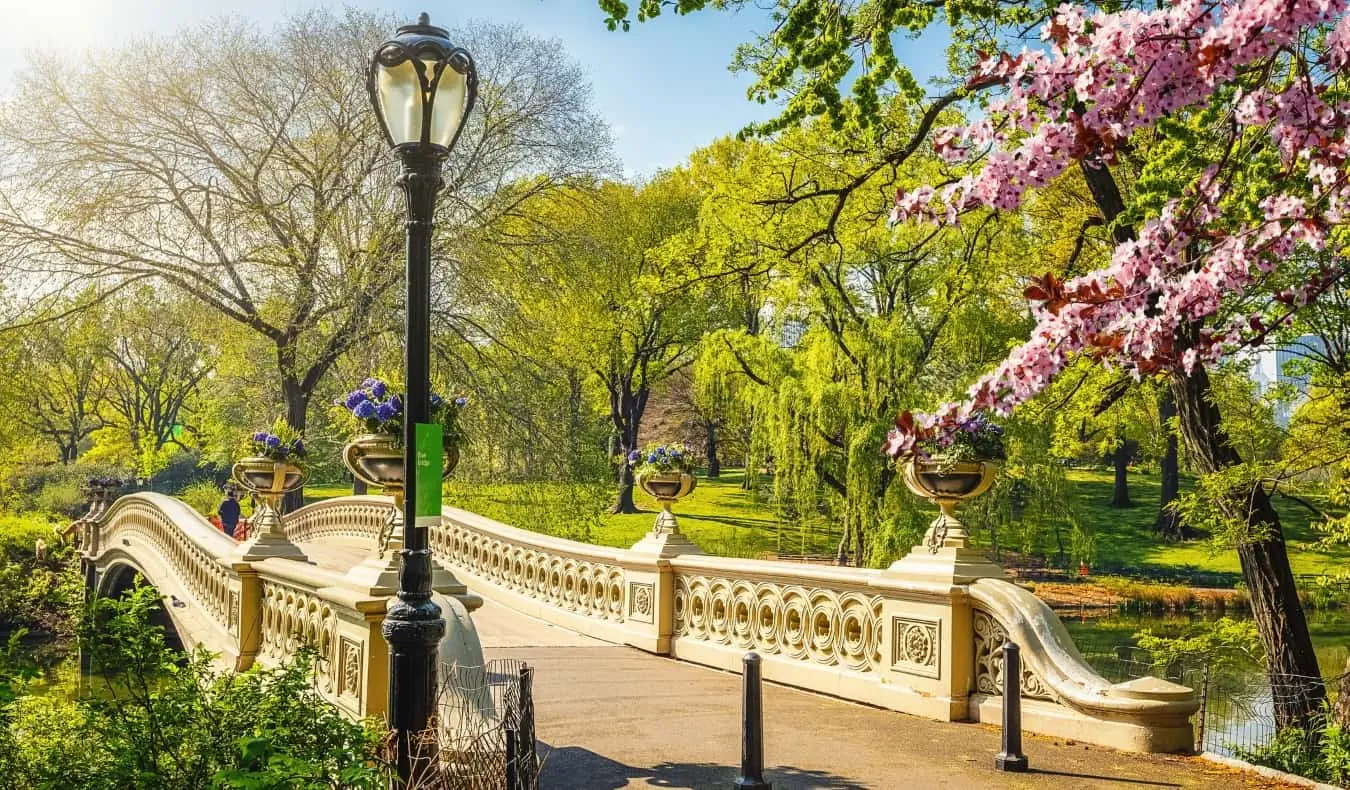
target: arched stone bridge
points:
(922, 637)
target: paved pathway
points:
(614, 717)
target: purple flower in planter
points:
(299, 447)
(461, 401)
(437, 401)
(651, 459)
(368, 383)
(385, 411)
(364, 410)
(397, 404)
(260, 436)
(634, 457)
(272, 441)
(379, 388)
(355, 399)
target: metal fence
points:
(486, 727)
(1237, 704)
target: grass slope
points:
(1125, 538)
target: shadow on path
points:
(575, 768)
(1099, 778)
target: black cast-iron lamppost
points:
(423, 88)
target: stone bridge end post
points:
(927, 630)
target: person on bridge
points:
(229, 512)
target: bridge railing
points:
(611, 594)
(176, 549)
(251, 611)
(300, 606)
(889, 638)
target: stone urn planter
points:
(377, 459)
(269, 480)
(945, 484)
(667, 487)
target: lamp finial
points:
(424, 18)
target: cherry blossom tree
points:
(1252, 231)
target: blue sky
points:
(664, 86)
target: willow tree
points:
(596, 283)
(857, 320)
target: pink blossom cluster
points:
(1100, 80)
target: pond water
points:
(1239, 712)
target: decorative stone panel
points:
(293, 617)
(805, 623)
(235, 614)
(916, 646)
(989, 639)
(640, 601)
(349, 683)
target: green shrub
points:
(159, 723)
(63, 498)
(204, 496)
(1325, 756)
(58, 485)
(39, 595)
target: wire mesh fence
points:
(1239, 705)
(486, 727)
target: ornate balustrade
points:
(252, 610)
(302, 606)
(359, 518)
(924, 636)
(607, 593)
(171, 545)
(902, 638)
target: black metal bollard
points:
(511, 781)
(752, 730)
(1011, 758)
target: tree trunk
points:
(710, 447)
(624, 503)
(297, 409)
(1168, 524)
(1291, 663)
(1120, 493)
(626, 411)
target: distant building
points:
(1270, 369)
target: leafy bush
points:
(161, 724)
(1323, 754)
(204, 496)
(38, 594)
(52, 489)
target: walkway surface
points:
(613, 717)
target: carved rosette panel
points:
(575, 584)
(293, 617)
(989, 639)
(337, 519)
(349, 683)
(640, 598)
(916, 646)
(803, 623)
(235, 613)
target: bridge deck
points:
(612, 717)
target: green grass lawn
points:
(727, 520)
(1125, 537)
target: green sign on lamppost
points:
(423, 88)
